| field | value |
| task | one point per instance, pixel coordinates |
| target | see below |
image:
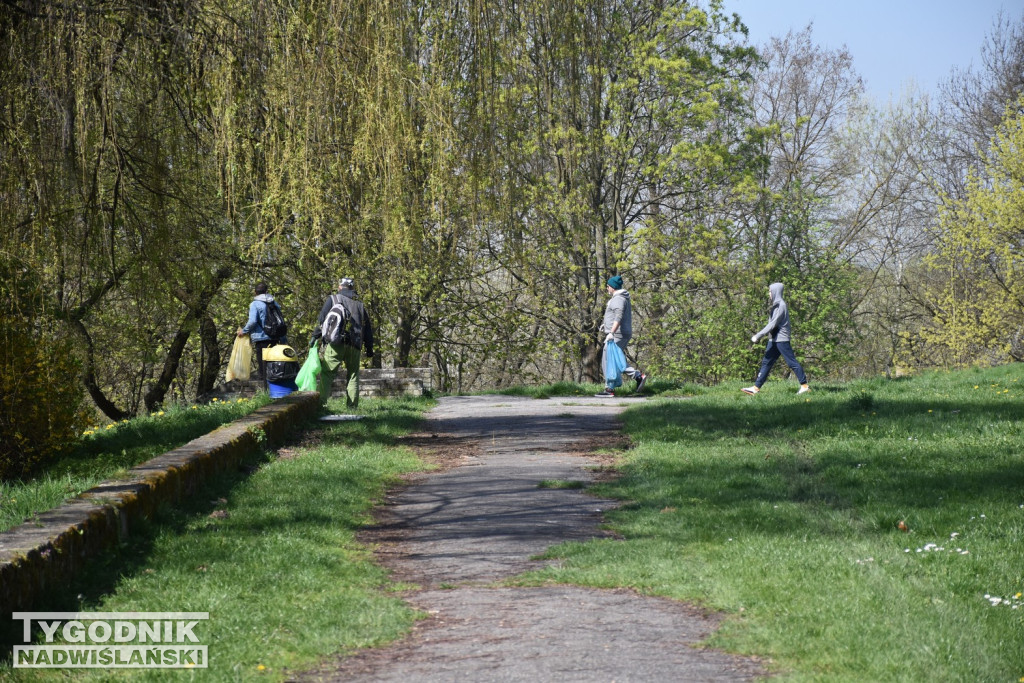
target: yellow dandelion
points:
(975, 386)
(929, 411)
(160, 413)
(261, 668)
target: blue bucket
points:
(282, 388)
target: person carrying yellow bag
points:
(265, 326)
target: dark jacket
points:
(360, 331)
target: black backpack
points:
(335, 326)
(274, 325)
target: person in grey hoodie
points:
(780, 332)
(254, 326)
(618, 326)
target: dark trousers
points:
(257, 349)
(771, 354)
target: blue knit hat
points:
(615, 282)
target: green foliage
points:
(700, 338)
(42, 410)
(703, 332)
(979, 309)
(820, 295)
(480, 175)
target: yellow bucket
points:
(280, 352)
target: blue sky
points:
(893, 43)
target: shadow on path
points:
(458, 531)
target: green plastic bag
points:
(308, 378)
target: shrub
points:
(42, 411)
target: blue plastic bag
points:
(614, 364)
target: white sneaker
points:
(750, 390)
(803, 389)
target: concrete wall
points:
(372, 382)
(45, 553)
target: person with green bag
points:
(345, 327)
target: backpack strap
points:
(341, 299)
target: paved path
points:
(458, 531)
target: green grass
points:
(561, 484)
(781, 510)
(784, 511)
(271, 556)
(106, 452)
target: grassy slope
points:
(103, 453)
(784, 511)
(271, 556)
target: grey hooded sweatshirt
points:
(619, 308)
(778, 316)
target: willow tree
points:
(359, 165)
(120, 125)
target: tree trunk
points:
(155, 396)
(196, 313)
(105, 405)
(211, 356)
(404, 336)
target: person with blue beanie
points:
(618, 327)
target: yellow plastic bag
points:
(241, 358)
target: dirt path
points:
(480, 520)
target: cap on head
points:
(615, 282)
(346, 283)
